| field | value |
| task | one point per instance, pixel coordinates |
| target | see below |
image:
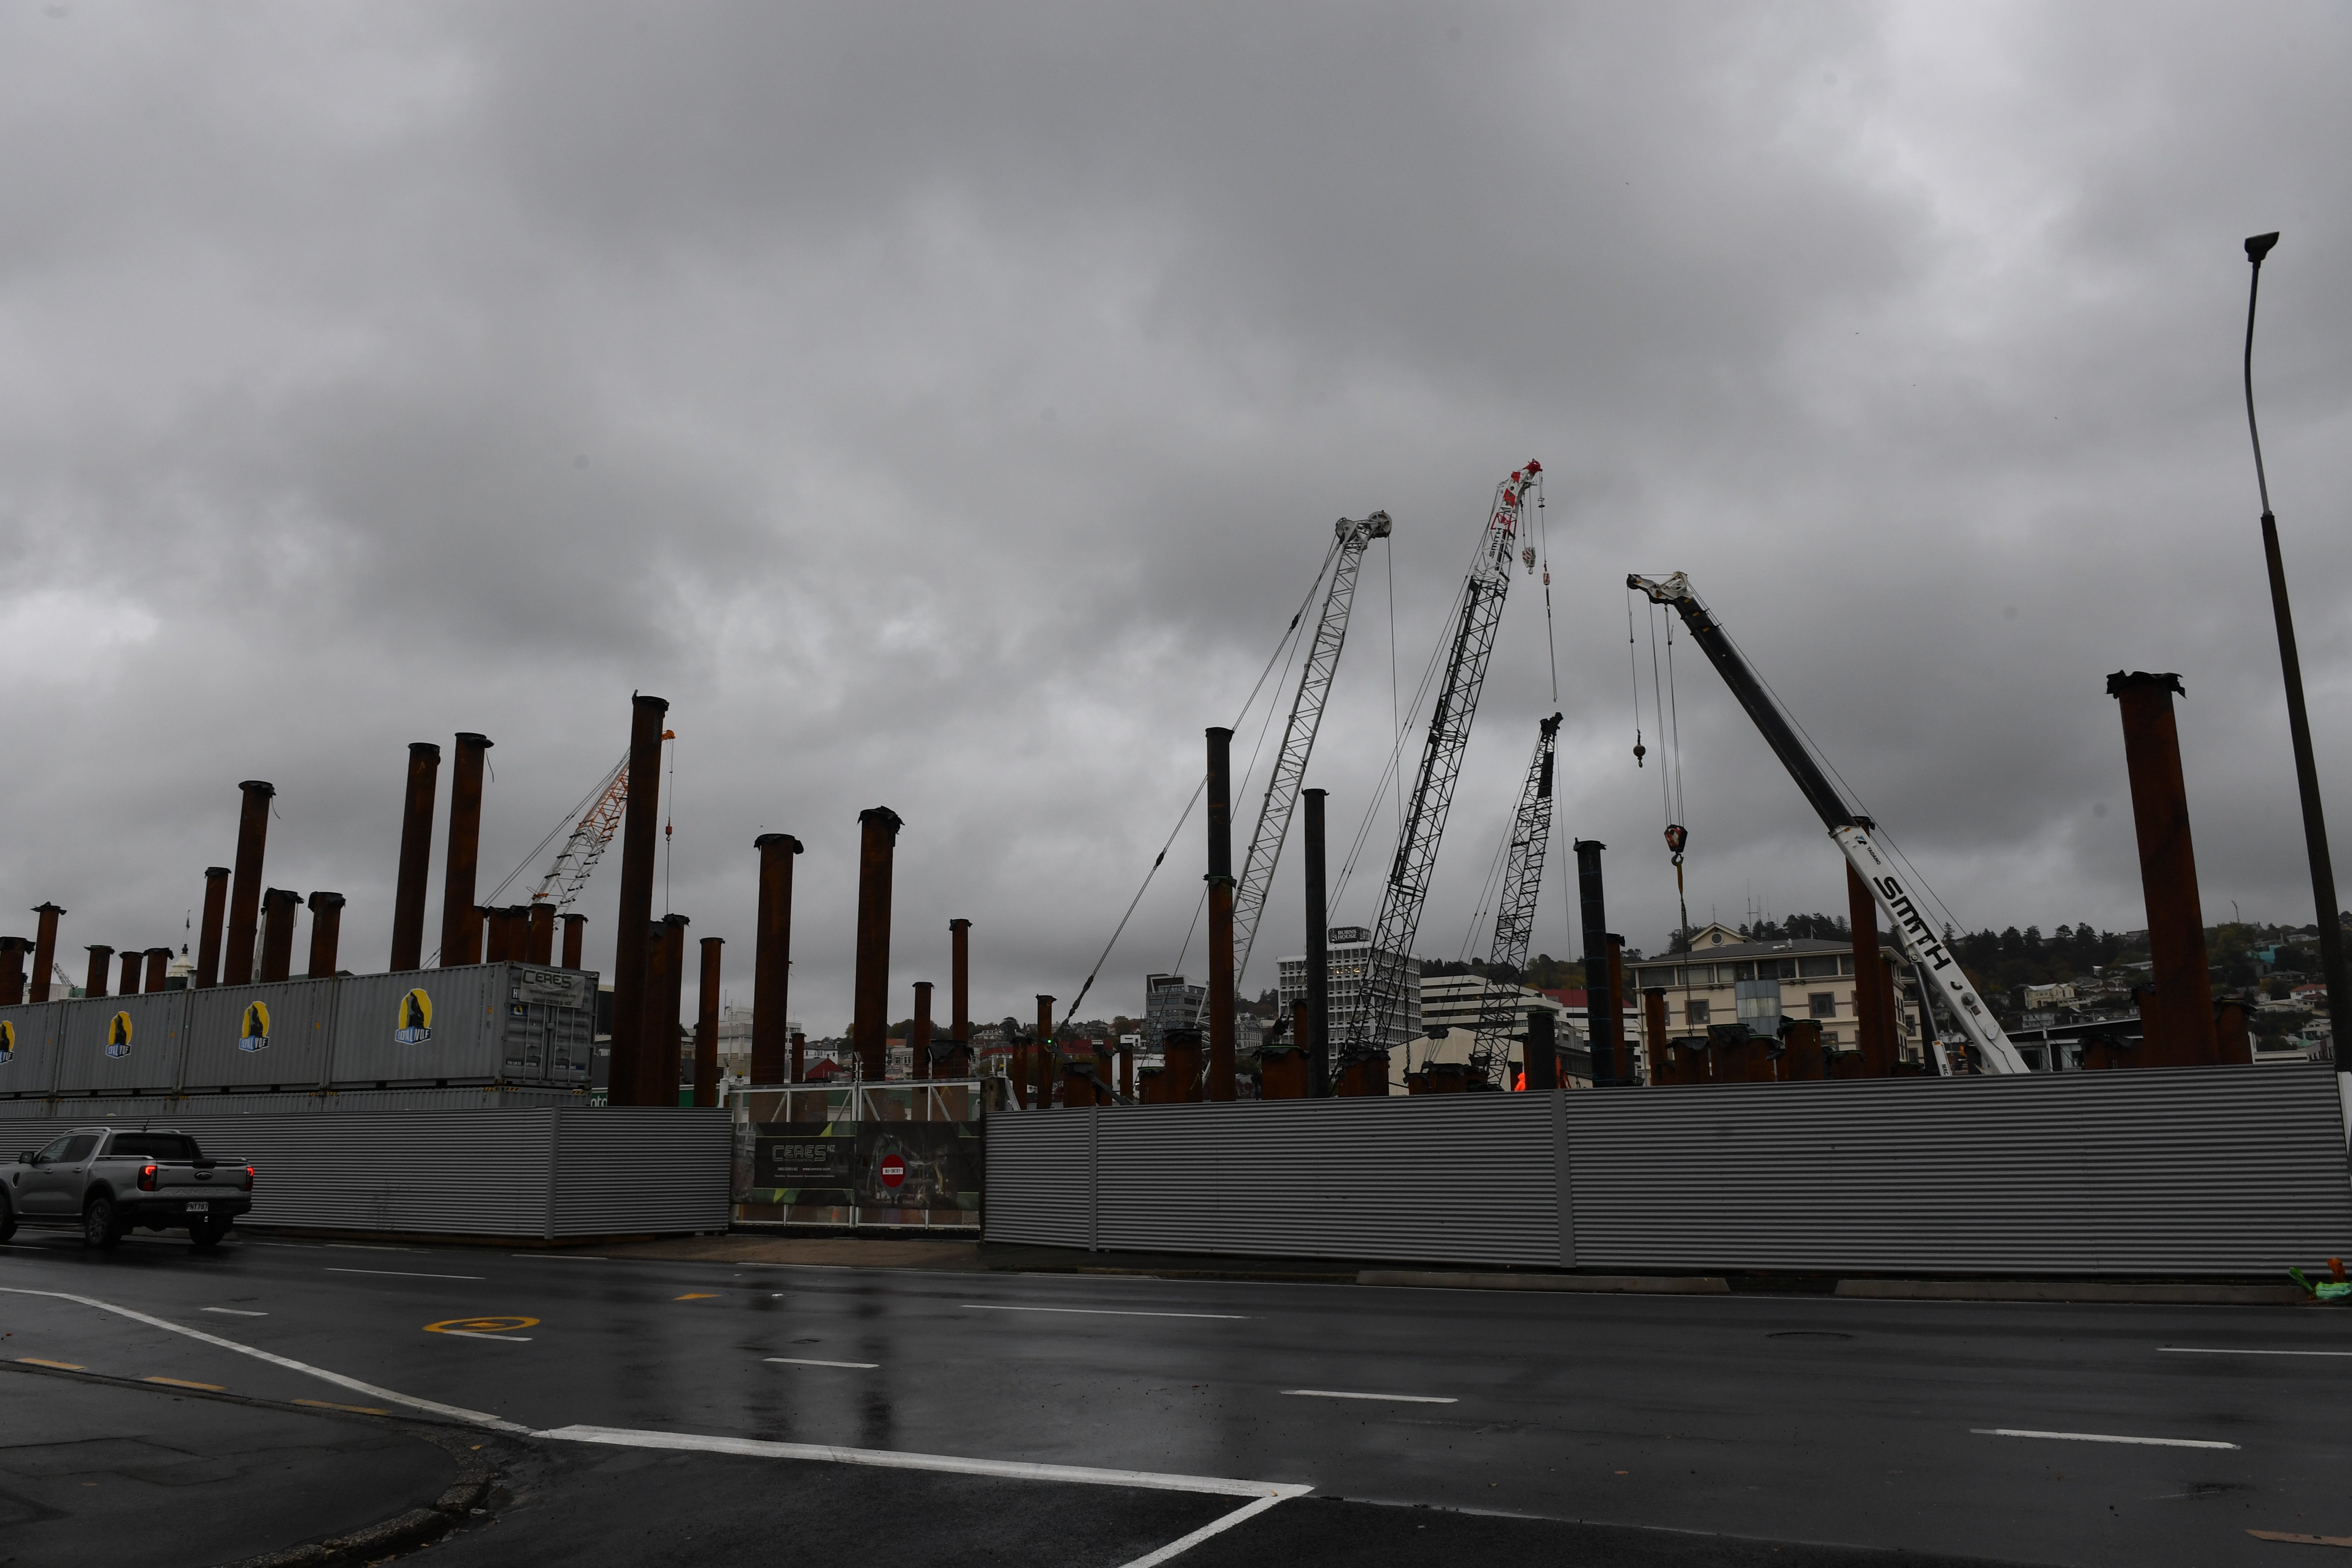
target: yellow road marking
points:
(60, 1365)
(697, 1296)
(184, 1383)
(354, 1409)
(480, 1325)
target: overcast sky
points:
(945, 407)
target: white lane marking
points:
(804, 1360)
(2100, 1437)
(401, 1273)
(457, 1411)
(1012, 1469)
(1406, 1398)
(233, 1312)
(2200, 1350)
(478, 1334)
(1186, 1543)
(363, 1247)
(1104, 1312)
(572, 1256)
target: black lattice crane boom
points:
(1381, 995)
(1500, 1015)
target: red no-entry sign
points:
(894, 1170)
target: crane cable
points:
(1200, 788)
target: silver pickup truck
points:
(105, 1181)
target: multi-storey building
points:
(1350, 958)
(1726, 979)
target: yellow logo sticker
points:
(7, 1040)
(254, 1033)
(118, 1035)
(414, 1027)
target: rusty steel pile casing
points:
(416, 872)
(93, 983)
(507, 934)
(705, 1025)
(878, 842)
(2178, 1019)
(1180, 1079)
(1874, 1030)
(659, 1061)
(772, 961)
(632, 935)
(1314, 1031)
(133, 959)
(1542, 1051)
(12, 953)
(959, 1059)
(1625, 1073)
(918, 1034)
(277, 907)
(538, 946)
(460, 930)
(575, 934)
(326, 933)
(1043, 1073)
(1220, 914)
(159, 968)
(210, 930)
(44, 950)
(1602, 1018)
(245, 891)
(1663, 1069)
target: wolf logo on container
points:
(254, 1033)
(415, 1018)
(7, 1042)
(118, 1035)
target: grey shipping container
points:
(490, 1023)
(115, 1045)
(30, 1038)
(20, 1110)
(260, 1037)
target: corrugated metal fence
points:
(520, 1172)
(2222, 1171)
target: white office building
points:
(1350, 959)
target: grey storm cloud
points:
(947, 406)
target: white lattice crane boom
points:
(1281, 800)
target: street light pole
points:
(2306, 771)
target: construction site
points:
(1630, 1128)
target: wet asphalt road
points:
(1675, 1428)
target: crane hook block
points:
(1677, 836)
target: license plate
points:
(200, 1208)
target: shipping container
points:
(548, 1027)
(117, 1045)
(274, 1037)
(480, 1024)
(29, 1038)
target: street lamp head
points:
(2259, 246)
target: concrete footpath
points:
(98, 1473)
(970, 1255)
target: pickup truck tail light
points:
(249, 1178)
(146, 1178)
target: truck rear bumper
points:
(180, 1210)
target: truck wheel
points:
(99, 1225)
(207, 1233)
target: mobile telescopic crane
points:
(1382, 992)
(1937, 966)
